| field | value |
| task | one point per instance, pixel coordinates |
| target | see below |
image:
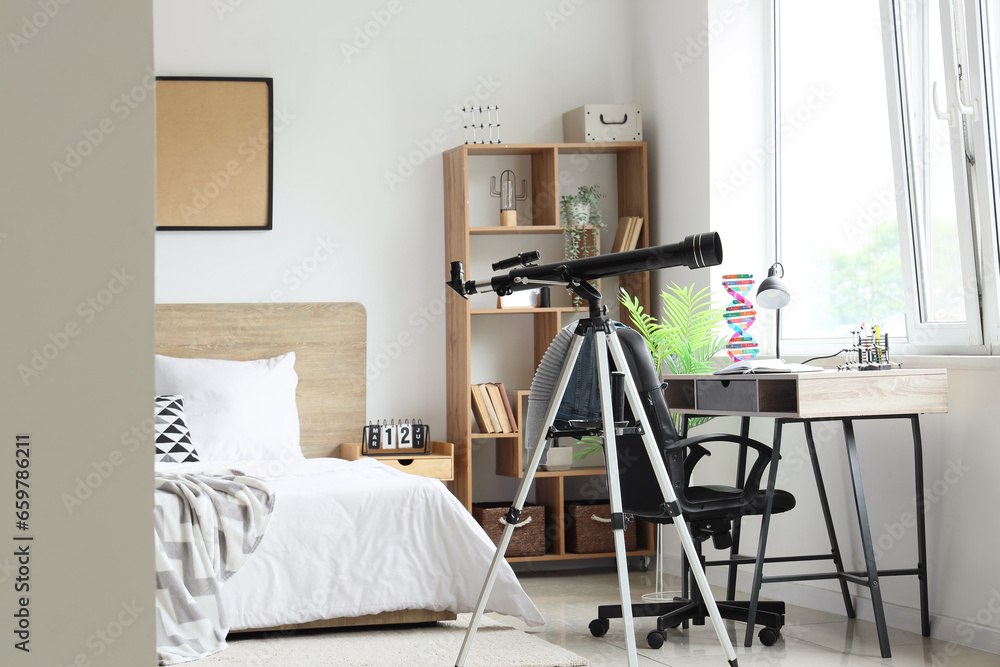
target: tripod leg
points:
(666, 488)
(519, 497)
(614, 492)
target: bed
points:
(349, 542)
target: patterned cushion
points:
(173, 439)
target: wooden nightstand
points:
(439, 464)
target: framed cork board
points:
(214, 157)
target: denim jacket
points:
(582, 399)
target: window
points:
(935, 218)
(924, 73)
(983, 37)
(839, 240)
(876, 186)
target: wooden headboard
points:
(329, 341)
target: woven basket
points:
(588, 529)
(528, 537)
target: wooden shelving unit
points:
(633, 200)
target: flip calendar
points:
(396, 437)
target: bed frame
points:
(329, 341)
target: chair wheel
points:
(768, 636)
(599, 626)
(656, 638)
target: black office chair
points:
(709, 510)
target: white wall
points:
(675, 97)
(76, 254)
(358, 162)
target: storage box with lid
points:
(588, 528)
(603, 122)
(528, 538)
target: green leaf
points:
(686, 338)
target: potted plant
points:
(558, 458)
(581, 218)
(581, 222)
(685, 339)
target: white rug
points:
(495, 645)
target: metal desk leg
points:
(866, 539)
(918, 470)
(741, 472)
(825, 504)
(685, 593)
(765, 522)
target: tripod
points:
(605, 339)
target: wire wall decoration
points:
(486, 120)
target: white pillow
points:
(237, 410)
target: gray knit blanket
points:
(207, 526)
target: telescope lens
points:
(706, 249)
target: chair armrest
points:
(752, 482)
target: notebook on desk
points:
(766, 366)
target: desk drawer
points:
(439, 465)
(726, 395)
(430, 465)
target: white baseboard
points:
(956, 632)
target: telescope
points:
(695, 251)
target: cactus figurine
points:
(508, 197)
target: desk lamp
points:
(773, 294)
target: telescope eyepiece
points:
(457, 281)
(520, 259)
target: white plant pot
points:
(579, 214)
(558, 458)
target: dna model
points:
(740, 316)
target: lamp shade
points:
(772, 292)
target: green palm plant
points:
(686, 338)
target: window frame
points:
(982, 84)
(924, 337)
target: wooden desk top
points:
(810, 395)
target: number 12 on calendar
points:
(392, 437)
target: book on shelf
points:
(494, 393)
(508, 408)
(634, 233)
(479, 411)
(627, 234)
(492, 409)
(621, 234)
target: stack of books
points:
(627, 236)
(491, 408)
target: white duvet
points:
(355, 538)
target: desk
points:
(823, 396)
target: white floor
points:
(569, 600)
